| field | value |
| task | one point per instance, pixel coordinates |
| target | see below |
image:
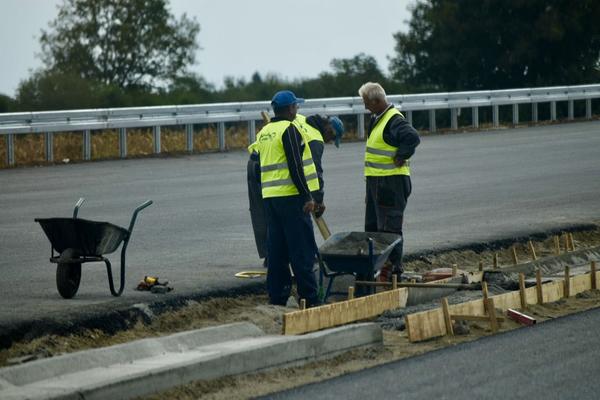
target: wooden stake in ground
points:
(556, 245)
(484, 292)
(532, 250)
(480, 264)
(495, 260)
(454, 269)
(350, 292)
(491, 310)
(538, 286)
(394, 281)
(447, 319)
(571, 242)
(303, 304)
(522, 291)
(513, 251)
(593, 270)
(567, 281)
(567, 246)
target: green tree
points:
(7, 104)
(493, 44)
(127, 43)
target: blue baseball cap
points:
(285, 98)
(338, 127)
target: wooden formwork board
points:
(429, 324)
(343, 312)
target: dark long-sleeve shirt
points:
(398, 133)
(293, 147)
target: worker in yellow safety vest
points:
(317, 130)
(391, 143)
(288, 178)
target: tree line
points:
(123, 53)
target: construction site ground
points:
(254, 308)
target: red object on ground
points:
(520, 317)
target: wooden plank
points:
(539, 286)
(571, 242)
(580, 283)
(567, 281)
(447, 320)
(330, 315)
(491, 309)
(594, 282)
(532, 250)
(513, 251)
(520, 317)
(522, 297)
(556, 245)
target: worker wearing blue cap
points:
(288, 177)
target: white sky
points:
(238, 37)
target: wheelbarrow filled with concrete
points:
(361, 254)
(78, 241)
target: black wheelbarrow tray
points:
(78, 241)
(358, 253)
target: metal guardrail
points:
(86, 121)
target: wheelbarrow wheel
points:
(68, 276)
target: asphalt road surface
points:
(467, 187)
(554, 360)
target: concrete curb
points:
(150, 365)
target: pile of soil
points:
(254, 308)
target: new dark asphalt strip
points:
(557, 359)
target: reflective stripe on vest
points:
(379, 156)
(308, 131)
(275, 176)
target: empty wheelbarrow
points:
(361, 254)
(78, 241)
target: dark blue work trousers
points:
(290, 240)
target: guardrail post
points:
(552, 111)
(588, 108)
(189, 138)
(432, 127)
(87, 144)
(409, 117)
(454, 118)
(361, 125)
(475, 116)
(122, 142)
(515, 109)
(10, 149)
(571, 111)
(251, 131)
(221, 131)
(49, 146)
(156, 136)
(496, 115)
(534, 112)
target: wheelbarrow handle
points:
(77, 205)
(145, 204)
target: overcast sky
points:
(238, 37)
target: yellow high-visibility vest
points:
(275, 177)
(307, 129)
(379, 156)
